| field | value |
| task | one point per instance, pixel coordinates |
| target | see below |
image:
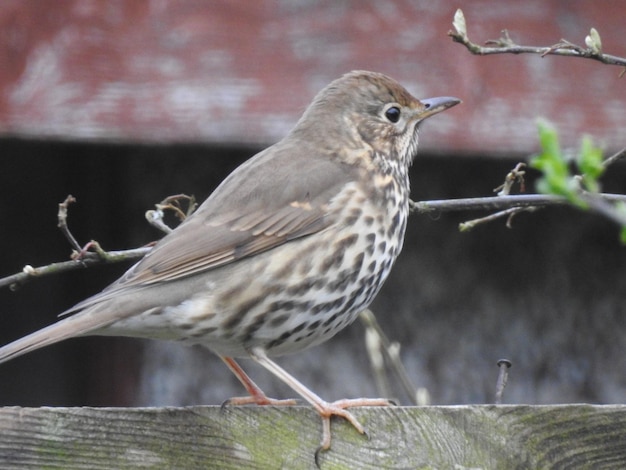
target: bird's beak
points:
(436, 105)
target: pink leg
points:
(257, 396)
(325, 409)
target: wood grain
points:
(460, 437)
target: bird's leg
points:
(324, 408)
(257, 396)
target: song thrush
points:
(286, 251)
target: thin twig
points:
(374, 348)
(615, 157)
(171, 203)
(470, 224)
(505, 45)
(155, 218)
(62, 221)
(516, 175)
(28, 273)
(391, 351)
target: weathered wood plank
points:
(562, 436)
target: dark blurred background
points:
(122, 104)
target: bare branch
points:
(92, 253)
(92, 259)
(505, 45)
(498, 203)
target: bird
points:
(285, 252)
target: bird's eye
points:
(393, 114)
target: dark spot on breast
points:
(284, 305)
(330, 320)
(279, 320)
(356, 212)
(393, 227)
(236, 318)
(317, 309)
(347, 307)
(371, 240)
(278, 341)
(341, 281)
(334, 259)
(232, 293)
(354, 215)
(346, 242)
(301, 288)
(232, 321)
(288, 268)
(372, 267)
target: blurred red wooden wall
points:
(242, 72)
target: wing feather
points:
(247, 215)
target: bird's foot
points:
(339, 408)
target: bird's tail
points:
(76, 325)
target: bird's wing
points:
(271, 199)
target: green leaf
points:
(556, 176)
(548, 139)
(590, 164)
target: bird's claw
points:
(339, 408)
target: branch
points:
(83, 258)
(91, 259)
(505, 45)
(498, 203)
(509, 206)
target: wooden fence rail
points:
(436, 437)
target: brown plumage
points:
(286, 251)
